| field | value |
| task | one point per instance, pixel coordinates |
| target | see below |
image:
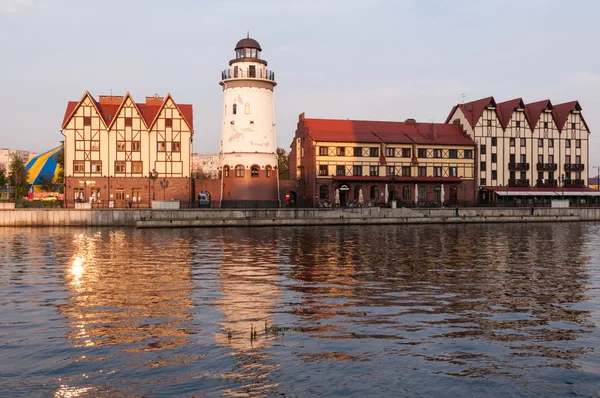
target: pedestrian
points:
(456, 211)
(532, 209)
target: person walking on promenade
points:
(456, 211)
(532, 210)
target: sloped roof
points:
(505, 110)
(534, 111)
(389, 132)
(43, 168)
(472, 110)
(561, 113)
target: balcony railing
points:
(574, 167)
(248, 73)
(522, 182)
(518, 166)
(573, 183)
(547, 183)
(547, 166)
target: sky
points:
(344, 59)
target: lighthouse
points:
(248, 149)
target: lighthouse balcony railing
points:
(248, 73)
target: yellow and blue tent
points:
(43, 168)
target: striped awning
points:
(43, 168)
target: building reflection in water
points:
(514, 285)
(248, 277)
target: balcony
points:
(518, 182)
(547, 183)
(518, 167)
(248, 73)
(574, 167)
(547, 166)
(573, 183)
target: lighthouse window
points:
(268, 171)
(239, 171)
(254, 171)
(247, 109)
(248, 52)
(234, 109)
(235, 71)
(252, 71)
(253, 53)
(226, 171)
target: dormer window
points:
(234, 109)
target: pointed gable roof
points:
(473, 110)
(561, 113)
(185, 110)
(505, 110)
(116, 112)
(73, 106)
(534, 111)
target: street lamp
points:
(153, 177)
(164, 185)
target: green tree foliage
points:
(283, 164)
(3, 176)
(17, 177)
(59, 179)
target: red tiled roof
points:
(534, 111)
(188, 114)
(561, 113)
(149, 112)
(70, 108)
(505, 110)
(388, 132)
(472, 110)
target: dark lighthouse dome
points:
(247, 42)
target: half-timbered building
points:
(350, 162)
(120, 153)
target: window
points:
(374, 152)
(356, 191)
(437, 193)
(357, 170)
(137, 167)
(468, 154)
(161, 146)
(523, 142)
(567, 143)
(226, 171)
(234, 109)
(489, 123)
(78, 166)
(540, 143)
(235, 70)
(573, 126)
(374, 170)
(550, 158)
(494, 158)
(268, 171)
(136, 195)
(136, 146)
(168, 123)
(323, 170)
(494, 141)
(374, 192)
(483, 149)
(247, 109)
(95, 145)
(437, 171)
(340, 151)
(540, 158)
(120, 167)
(511, 158)
(568, 159)
(323, 151)
(96, 166)
(252, 71)
(390, 171)
(405, 171)
(453, 154)
(340, 170)
(357, 151)
(80, 145)
(254, 171)
(239, 170)
(176, 146)
(406, 193)
(577, 159)
(545, 125)
(422, 193)
(577, 143)
(324, 192)
(453, 171)
(437, 153)
(512, 142)
(551, 143)
(406, 152)
(128, 122)
(120, 194)
(120, 146)
(422, 153)
(568, 175)
(482, 182)
(87, 120)
(518, 124)
(523, 158)
(512, 175)
(494, 175)
(482, 166)
(78, 193)
(390, 152)
(523, 175)
(422, 171)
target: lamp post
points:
(164, 185)
(153, 177)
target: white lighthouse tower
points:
(248, 148)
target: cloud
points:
(585, 78)
(15, 7)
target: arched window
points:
(239, 170)
(235, 71)
(234, 109)
(226, 171)
(422, 193)
(268, 171)
(437, 193)
(374, 192)
(324, 192)
(254, 171)
(406, 193)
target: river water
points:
(415, 311)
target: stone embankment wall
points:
(278, 217)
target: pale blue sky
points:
(376, 59)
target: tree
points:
(283, 164)
(59, 179)
(3, 176)
(18, 176)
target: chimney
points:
(410, 121)
(155, 100)
(110, 99)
